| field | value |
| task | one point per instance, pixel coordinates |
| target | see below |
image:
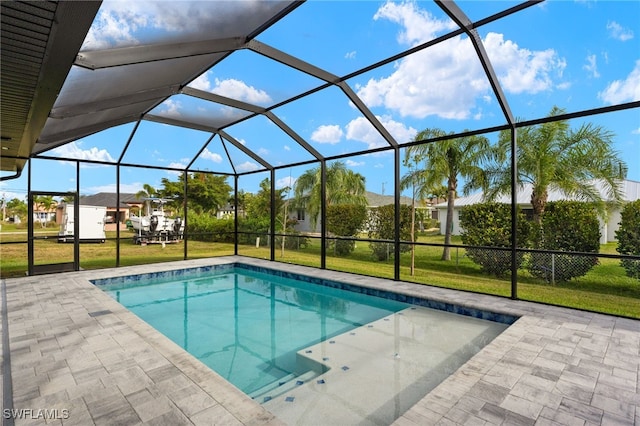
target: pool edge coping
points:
(529, 313)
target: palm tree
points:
(450, 160)
(416, 180)
(551, 156)
(147, 191)
(343, 186)
(44, 202)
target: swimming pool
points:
(298, 345)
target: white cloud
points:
(202, 82)
(626, 90)
(208, 155)
(231, 88)
(330, 134)
(287, 148)
(237, 89)
(350, 55)
(262, 151)
(418, 25)
(352, 163)
(398, 130)
(170, 108)
(521, 70)
(247, 166)
(285, 181)
(176, 165)
(591, 66)
(127, 188)
(124, 23)
(447, 79)
(362, 130)
(114, 26)
(618, 32)
(379, 166)
(74, 150)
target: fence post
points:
(553, 268)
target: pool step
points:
(282, 385)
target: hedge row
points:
(569, 226)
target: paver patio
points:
(74, 349)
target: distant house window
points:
(300, 215)
(434, 214)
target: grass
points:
(605, 288)
(13, 260)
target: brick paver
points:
(74, 348)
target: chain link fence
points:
(550, 267)
(555, 267)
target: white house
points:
(608, 226)
(373, 200)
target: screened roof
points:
(235, 73)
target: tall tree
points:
(415, 180)
(17, 207)
(44, 203)
(343, 186)
(450, 160)
(206, 192)
(552, 156)
(147, 191)
(259, 207)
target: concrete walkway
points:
(75, 356)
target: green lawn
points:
(604, 289)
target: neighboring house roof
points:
(630, 192)
(377, 200)
(108, 199)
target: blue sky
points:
(573, 54)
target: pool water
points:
(248, 326)
(312, 351)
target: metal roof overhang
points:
(40, 41)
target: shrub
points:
(628, 236)
(206, 227)
(253, 226)
(345, 220)
(566, 226)
(381, 226)
(489, 224)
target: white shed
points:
(91, 224)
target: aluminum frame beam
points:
(223, 100)
(311, 150)
(69, 27)
(368, 114)
(105, 104)
(234, 103)
(244, 149)
(54, 141)
(291, 61)
(120, 56)
(461, 19)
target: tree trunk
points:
(413, 235)
(284, 227)
(446, 253)
(538, 202)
